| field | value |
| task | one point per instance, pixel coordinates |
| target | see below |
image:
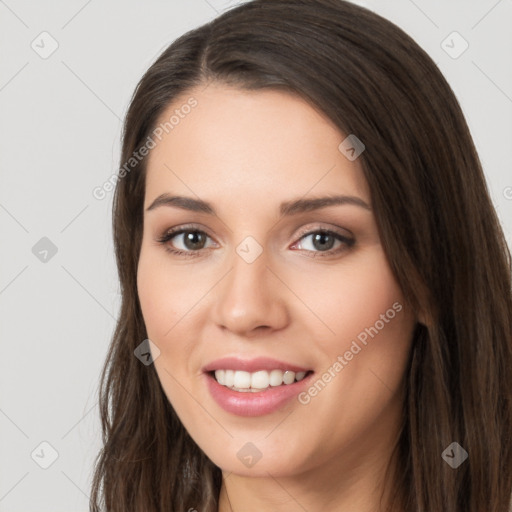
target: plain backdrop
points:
(67, 71)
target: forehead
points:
(263, 144)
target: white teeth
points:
(260, 380)
(245, 381)
(242, 380)
(288, 377)
(276, 377)
(229, 378)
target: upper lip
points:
(251, 365)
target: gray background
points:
(60, 131)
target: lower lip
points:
(252, 403)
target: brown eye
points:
(193, 240)
(184, 241)
(324, 241)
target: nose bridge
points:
(250, 296)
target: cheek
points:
(164, 303)
(370, 328)
(165, 293)
(154, 302)
(352, 298)
(373, 327)
(170, 298)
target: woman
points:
(316, 293)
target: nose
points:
(250, 299)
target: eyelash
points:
(172, 233)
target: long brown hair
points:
(437, 225)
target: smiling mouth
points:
(254, 382)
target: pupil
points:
(320, 237)
(192, 239)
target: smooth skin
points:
(245, 153)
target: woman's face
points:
(273, 287)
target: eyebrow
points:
(286, 208)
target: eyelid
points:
(321, 227)
(185, 227)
